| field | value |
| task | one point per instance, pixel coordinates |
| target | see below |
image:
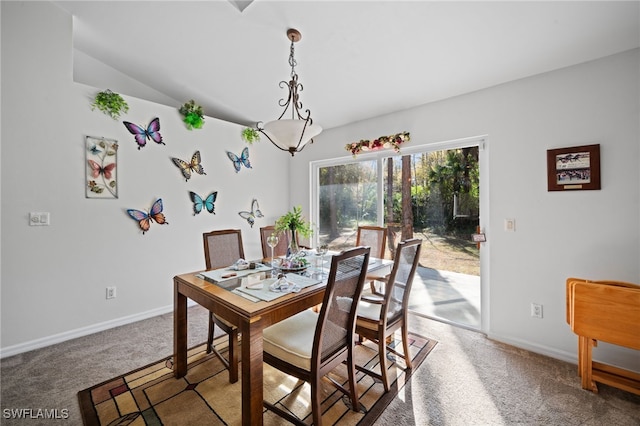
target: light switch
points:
(510, 225)
(39, 218)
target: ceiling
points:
(356, 59)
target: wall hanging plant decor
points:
(207, 203)
(238, 162)
(141, 134)
(110, 103)
(102, 158)
(393, 141)
(253, 214)
(192, 115)
(153, 215)
(187, 168)
(250, 135)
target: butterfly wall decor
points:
(98, 170)
(141, 134)
(100, 165)
(207, 203)
(187, 168)
(238, 162)
(145, 218)
(253, 214)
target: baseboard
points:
(569, 357)
(84, 331)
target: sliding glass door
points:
(431, 193)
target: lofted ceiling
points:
(356, 59)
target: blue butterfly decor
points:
(207, 203)
(238, 162)
(251, 216)
(141, 134)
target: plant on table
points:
(294, 222)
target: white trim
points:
(569, 357)
(84, 331)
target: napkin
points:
(283, 285)
(240, 265)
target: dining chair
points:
(308, 345)
(280, 249)
(380, 316)
(222, 248)
(376, 238)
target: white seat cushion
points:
(291, 340)
(369, 310)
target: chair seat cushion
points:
(291, 340)
(369, 310)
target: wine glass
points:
(272, 241)
(321, 250)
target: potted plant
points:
(293, 222)
(110, 103)
(193, 115)
(250, 135)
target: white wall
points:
(589, 234)
(54, 278)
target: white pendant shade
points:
(286, 133)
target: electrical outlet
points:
(536, 310)
(510, 225)
(39, 218)
(111, 292)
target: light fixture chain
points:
(292, 60)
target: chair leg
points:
(316, 410)
(382, 353)
(405, 346)
(210, 335)
(353, 390)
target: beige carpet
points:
(152, 396)
(467, 380)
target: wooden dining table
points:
(251, 317)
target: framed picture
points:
(101, 172)
(576, 167)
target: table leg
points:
(251, 372)
(179, 333)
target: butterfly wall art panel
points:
(146, 218)
(101, 167)
(251, 216)
(239, 161)
(142, 134)
(200, 203)
(186, 168)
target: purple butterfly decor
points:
(141, 134)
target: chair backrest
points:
(222, 248)
(374, 237)
(336, 321)
(398, 287)
(278, 250)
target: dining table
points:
(233, 299)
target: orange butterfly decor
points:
(154, 215)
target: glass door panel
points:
(348, 197)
